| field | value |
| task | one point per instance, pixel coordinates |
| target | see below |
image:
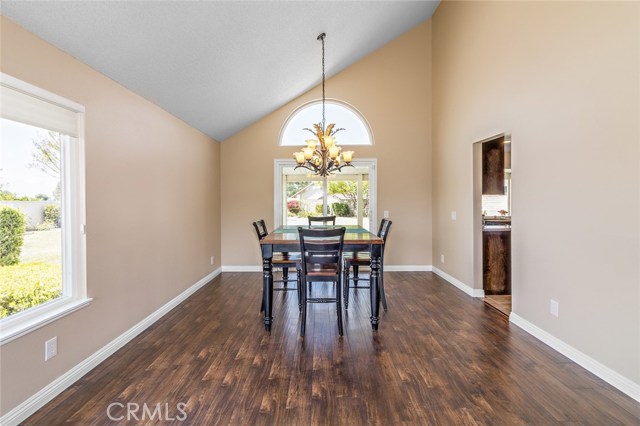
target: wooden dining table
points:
(286, 239)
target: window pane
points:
(30, 211)
(356, 129)
(348, 198)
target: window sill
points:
(21, 327)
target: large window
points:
(351, 194)
(42, 243)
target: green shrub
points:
(341, 209)
(12, 227)
(52, 215)
(28, 284)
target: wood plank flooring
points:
(439, 358)
(501, 302)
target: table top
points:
(354, 234)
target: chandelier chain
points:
(322, 36)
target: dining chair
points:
(321, 251)
(322, 220)
(284, 260)
(357, 259)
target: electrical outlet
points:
(386, 214)
(454, 215)
(442, 258)
(554, 308)
(50, 348)
(212, 260)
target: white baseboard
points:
(53, 389)
(234, 268)
(390, 268)
(610, 376)
(408, 268)
(473, 292)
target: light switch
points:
(386, 214)
(454, 215)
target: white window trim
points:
(370, 163)
(74, 217)
(344, 104)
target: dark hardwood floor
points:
(439, 358)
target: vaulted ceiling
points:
(218, 65)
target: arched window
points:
(357, 130)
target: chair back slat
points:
(260, 228)
(322, 220)
(385, 227)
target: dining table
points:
(286, 239)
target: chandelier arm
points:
(304, 166)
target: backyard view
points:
(30, 218)
(347, 198)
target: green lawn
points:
(42, 246)
(37, 278)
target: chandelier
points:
(322, 155)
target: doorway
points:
(492, 221)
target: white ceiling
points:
(218, 65)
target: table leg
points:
(375, 285)
(267, 286)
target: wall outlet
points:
(386, 214)
(50, 348)
(212, 260)
(442, 258)
(554, 308)
(454, 215)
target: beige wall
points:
(392, 89)
(563, 78)
(153, 222)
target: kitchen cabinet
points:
(493, 167)
(496, 242)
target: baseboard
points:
(53, 389)
(473, 292)
(234, 268)
(389, 268)
(408, 268)
(610, 376)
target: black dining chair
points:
(322, 220)
(284, 260)
(357, 259)
(321, 251)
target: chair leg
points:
(285, 277)
(356, 274)
(339, 306)
(381, 286)
(303, 316)
(299, 284)
(346, 287)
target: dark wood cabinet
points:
(493, 167)
(497, 261)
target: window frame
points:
(74, 276)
